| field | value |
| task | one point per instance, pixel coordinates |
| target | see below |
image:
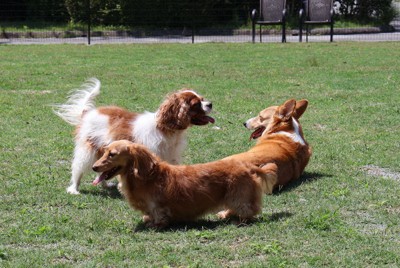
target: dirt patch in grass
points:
(381, 172)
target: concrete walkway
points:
(373, 37)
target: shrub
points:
(176, 13)
(105, 12)
(46, 10)
(379, 11)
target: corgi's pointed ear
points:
(286, 110)
(301, 107)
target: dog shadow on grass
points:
(305, 178)
(200, 225)
(110, 192)
(210, 224)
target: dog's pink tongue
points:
(257, 133)
(210, 119)
(97, 180)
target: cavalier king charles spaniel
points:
(163, 132)
(167, 193)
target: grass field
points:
(343, 212)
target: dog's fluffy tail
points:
(79, 102)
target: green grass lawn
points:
(336, 215)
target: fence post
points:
(192, 34)
(192, 15)
(89, 18)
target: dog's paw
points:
(72, 190)
(146, 219)
(224, 214)
(151, 223)
(119, 187)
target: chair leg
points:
(307, 33)
(260, 34)
(300, 32)
(284, 33)
(331, 31)
(253, 31)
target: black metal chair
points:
(316, 12)
(272, 12)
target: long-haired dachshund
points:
(167, 193)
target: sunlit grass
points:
(337, 215)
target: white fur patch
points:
(247, 124)
(95, 126)
(80, 101)
(295, 136)
(145, 131)
(205, 105)
(191, 91)
(168, 148)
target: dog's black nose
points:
(244, 124)
(208, 105)
(95, 169)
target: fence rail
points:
(187, 36)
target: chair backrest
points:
(271, 10)
(318, 10)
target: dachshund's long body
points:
(167, 193)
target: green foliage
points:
(45, 10)
(174, 13)
(380, 11)
(184, 13)
(322, 220)
(3, 255)
(103, 12)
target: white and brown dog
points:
(163, 132)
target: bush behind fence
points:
(174, 13)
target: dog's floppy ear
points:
(100, 152)
(174, 113)
(182, 113)
(286, 110)
(301, 107)
(143, 161)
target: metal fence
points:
(188, 36)
(49, 31)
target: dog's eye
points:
(197, 105)
(111, 155)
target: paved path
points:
(373, 37)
